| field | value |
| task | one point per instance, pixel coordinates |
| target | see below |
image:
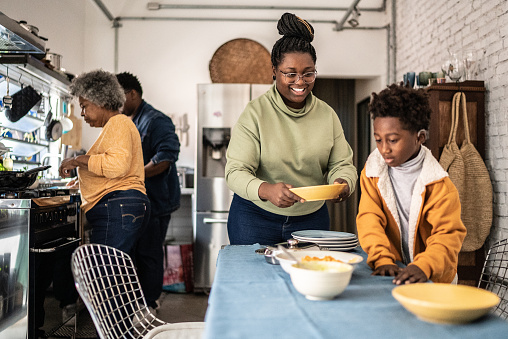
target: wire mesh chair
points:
(494, 276)
(107, 281)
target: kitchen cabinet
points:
(441, 95)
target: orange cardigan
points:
(115, 164)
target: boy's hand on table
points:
(410, 274)
(387, 270)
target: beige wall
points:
(171, 57)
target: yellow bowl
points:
(445, 303)
(319, 192)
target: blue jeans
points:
(149, 257)
(118, 218)
(249, 224)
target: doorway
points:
(340, 95)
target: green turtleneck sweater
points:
(274, 143)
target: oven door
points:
(14, 255)
(50, 263)
(56, 245)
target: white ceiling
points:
(138, 8)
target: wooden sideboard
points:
(441, 95)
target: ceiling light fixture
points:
(353, 22)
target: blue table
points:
(253, 299)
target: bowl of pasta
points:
(304, 256)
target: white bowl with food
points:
(317, 256)
(320, 280)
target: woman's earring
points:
(273, 76)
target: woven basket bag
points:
(468, 172)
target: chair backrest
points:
(494, 276)
(107, 281)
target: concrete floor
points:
(174, 308)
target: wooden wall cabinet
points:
(441, 96)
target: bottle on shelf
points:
(8, 163)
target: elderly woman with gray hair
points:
(111, 174)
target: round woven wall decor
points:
(241, 61)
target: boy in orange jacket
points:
(409, 208)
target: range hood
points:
(14, 39)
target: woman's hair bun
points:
(290, 25)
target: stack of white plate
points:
(328, 240)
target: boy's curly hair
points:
(410, 105)
(99, 87)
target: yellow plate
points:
(445, 303)
(319, 192)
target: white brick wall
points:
(426, 30)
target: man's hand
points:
(152, 169)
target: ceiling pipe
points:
(146, 18)
(154, 6)
(104, 10)
(393, 31)
(340, 26)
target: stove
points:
(46, 222)
(35, 193)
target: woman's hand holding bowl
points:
(278, 194)
(345, 193)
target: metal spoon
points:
(283, 249)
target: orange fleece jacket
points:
(436, 231)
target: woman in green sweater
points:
(286, 138)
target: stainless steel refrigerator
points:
(219, 106)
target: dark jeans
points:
(118, 218)
(149, 257)
(249, 224)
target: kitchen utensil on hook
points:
(7, 99)
(22, 102)
(67, 123)
(53, 127)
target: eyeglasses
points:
(292, 78)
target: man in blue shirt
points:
(160, 152)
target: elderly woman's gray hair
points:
(99, 87)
